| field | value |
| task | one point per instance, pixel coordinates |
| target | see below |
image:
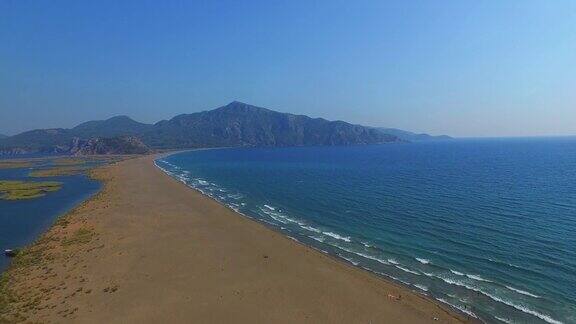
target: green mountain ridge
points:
(236, 124)
(240, 124)
(115, 126)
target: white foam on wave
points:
(386, 275)
(319, 239)
(422, 287)
(366, 244)
(407, 270)
(462, 309)
(527, 310)
(505, 320)
(477, 277)
(338, 237)
(423, 261)
(235, 196)
(276, 218)
(279, 216)
(521, 308)
(372, 258)
(392, 261)
(523, 292)
(311, 229)
(348, 259)
(456, 272)
(367, 256)
(269, 207)
(506, 263)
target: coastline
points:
(447, 306)
(36, 216)
(147, 248)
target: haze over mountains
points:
(410, 136)
(236, 124)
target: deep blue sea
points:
(23, 221)
(486, 226)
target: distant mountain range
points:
(234, 125)
(239, 124)
(412, 137)
(3, 136)
(115, 126)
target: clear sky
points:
(461, 67)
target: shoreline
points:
(147, 248)
(447, 307)
(51, 214)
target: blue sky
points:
(462, 67)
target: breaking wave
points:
(522, 292)
(423, 261)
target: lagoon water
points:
(486, 226)
(23, 221)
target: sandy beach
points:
(148, 249)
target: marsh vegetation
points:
(19, 190)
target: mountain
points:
(236, 124)
(39, 139)
(410, 136)
(59, 140)
(240, 124)
(115, 126)
(114, 145)
(3, 136)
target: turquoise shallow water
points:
(23, 221)
(486, 226)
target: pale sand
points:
(153, 250)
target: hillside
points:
(239, 124)
(115, 126)
(38, 140)
(236, 124)
(114, 145)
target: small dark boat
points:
(10, 253)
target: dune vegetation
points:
(67, 166)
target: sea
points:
(24, 221)
(485, 226)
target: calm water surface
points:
(23, 221)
